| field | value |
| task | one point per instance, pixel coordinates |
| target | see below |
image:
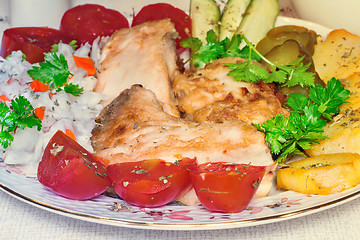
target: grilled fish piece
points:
(134, 127)
(209, 95)
(144, 54)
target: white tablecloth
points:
(19, 220)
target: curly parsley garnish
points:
(212, 50)
(18, 115)
(288, 75)
(54, 72)
(288, 136)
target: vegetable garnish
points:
(327, 99)
(212, 50)
(18, 115)
(287, 136)
(55, 47)
(288, 75)
(86, 64)
(55, 72)
(73, 89)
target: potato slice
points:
(344, 131)
(323, 174)
(338, 56)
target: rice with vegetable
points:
(62, 111)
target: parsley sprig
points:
(288, 136)
(288, 75)
(212, 50)
(18, 115)
(54, 71)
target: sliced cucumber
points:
(205, 16)
(231, 17)
(259, 18)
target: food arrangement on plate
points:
(201, 108)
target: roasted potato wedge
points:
(338, 56)
(344, 131)
(323, 174)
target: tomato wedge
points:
(70, 170)
(159, 11)
(86, 22)
(225, 187)
(150, 183)
(32, 41)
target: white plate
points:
(278, 206)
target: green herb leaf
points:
(54, 71)
(288, 136)
(203, 53)
(193, 43)
(55, 47)
(297, 75)
(73, 89)
(5, 139)
(19, 115)
(246, 71)
(330, 98)
(288, 75)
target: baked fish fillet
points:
(135, 127)
(209, 95)
(144, 54)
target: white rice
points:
(63, 111)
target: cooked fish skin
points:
(210, 95)
(135, 127)
(144, 54)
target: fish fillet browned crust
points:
(144, 54)
(209, 95)
(135, 127)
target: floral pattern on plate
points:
(279, 205)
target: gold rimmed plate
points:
(278, 206)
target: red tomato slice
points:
(86, 22)
(150, 183)
(70, 170)
(225, 187)
(32, 41)
(160, 11)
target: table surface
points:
(19, 220)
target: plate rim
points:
(200, 226)
(196, 226)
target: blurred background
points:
(330, 13)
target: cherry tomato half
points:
(86, 22)
(70, 170)
(225, 187)
(32, 41)
(150, 183)
(159, 11)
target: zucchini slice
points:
(205, 16)
(231, 17)
(259, 18)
